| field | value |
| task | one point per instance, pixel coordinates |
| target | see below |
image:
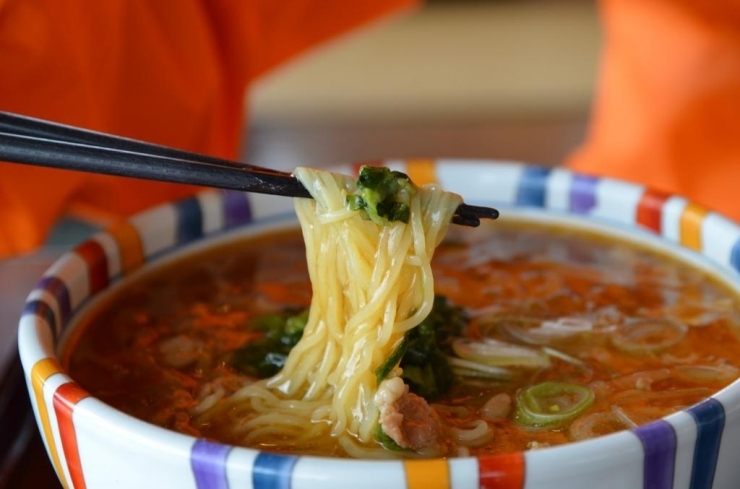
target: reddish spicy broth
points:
(164, 342)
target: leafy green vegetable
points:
(395, 356)
(265, 356)
(425, 349)
(382, 195)
(422, 353)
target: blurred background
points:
(505, 79)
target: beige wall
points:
(466, 61)
(509, 80)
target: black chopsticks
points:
(38, 142)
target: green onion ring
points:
(648, 336)
(499, 353)
(551, 405)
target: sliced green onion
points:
(466, 368)
(648, 336)
(546, 332)
(492, 324)
(474, 374)
(707, 373)
(573, 325)
(499, 353)
(619, 413)
(699, 315)
(563, 356)
(643, 380)
(597, 424)
(552, 405)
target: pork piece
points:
(406, 417)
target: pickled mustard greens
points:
(422, 354)
(424, 364)
(265, 356)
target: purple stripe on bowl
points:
(208, 461)
(43, 310)
(659, 443)
(532, 187)
(189, 220)
(272, 471)
(710, 422)
(58, 289)
(583, 193)
(236, 208)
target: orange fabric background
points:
(173, 73)
(667, 112)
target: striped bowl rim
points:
(692, 448)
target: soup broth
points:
(644, 334)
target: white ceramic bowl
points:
(92, 445)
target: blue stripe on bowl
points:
(189, 220)
(272, 471)
(735, 256)
(58, 289)
(583, 193)
(208, 461)
(659, 442)
(710, 422)
(532, 187)
(237, 210)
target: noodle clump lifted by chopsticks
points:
(372, 282)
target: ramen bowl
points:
(91, 444)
